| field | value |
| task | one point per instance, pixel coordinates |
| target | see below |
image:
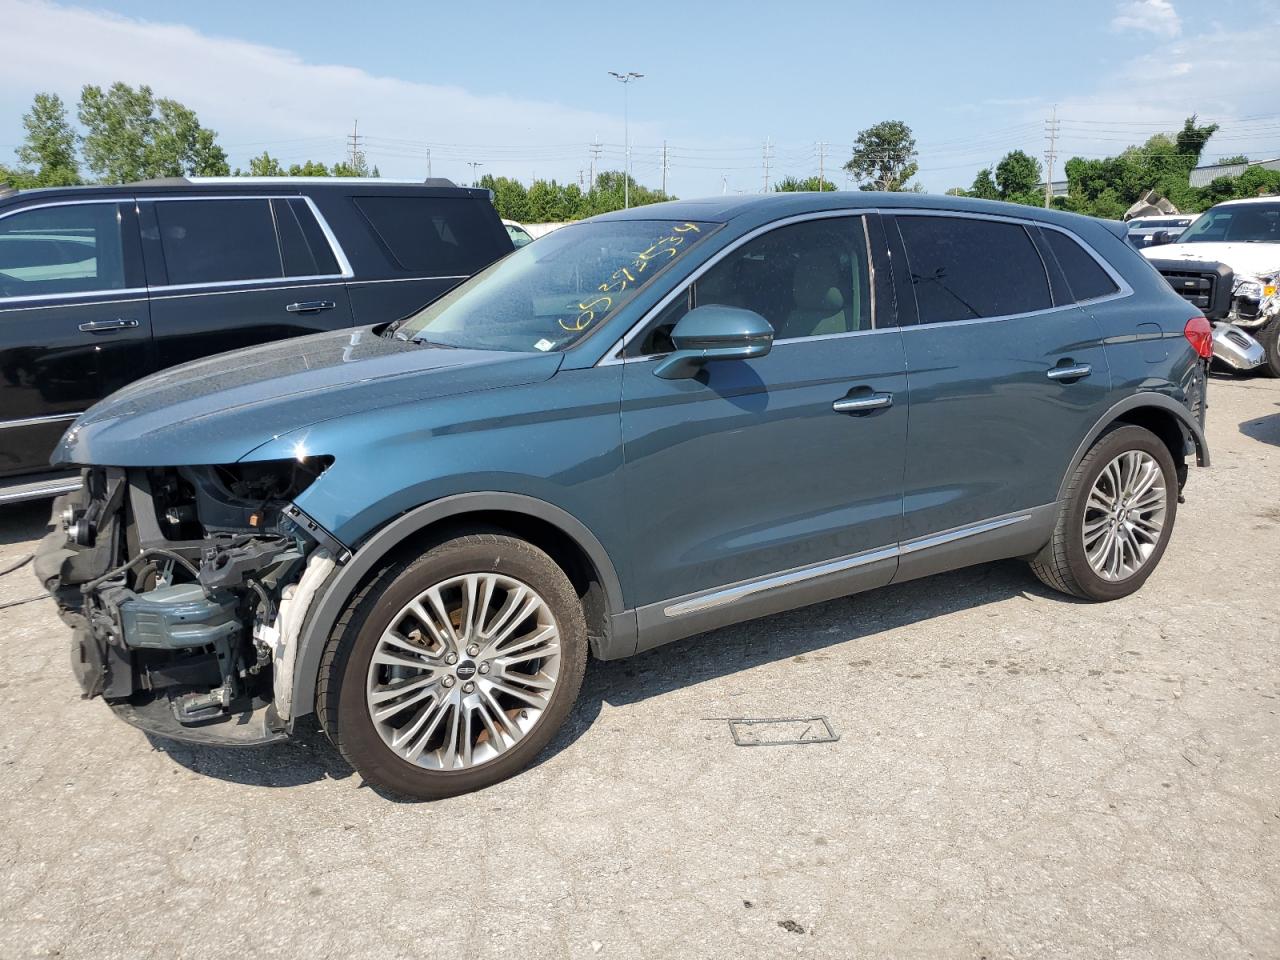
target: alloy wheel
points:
(464, 671)
(1124, 515)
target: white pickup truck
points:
(1245, 235)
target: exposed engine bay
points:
(186, 589)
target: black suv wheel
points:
(452, 671)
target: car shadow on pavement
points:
(1265, 429)
(308, 756)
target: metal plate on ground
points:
(782, 731)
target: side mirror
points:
(714, 332)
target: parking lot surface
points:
(1016, 775)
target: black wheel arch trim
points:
(1140, 401)
(346, 578)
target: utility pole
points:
(428, 163)
(768, 155)
(579, 178)
(625, 79)
(724, 184)
(354, 157)
(665, 167)
(473, 164)
(1051, 132)
(595, 155)
(822, 156)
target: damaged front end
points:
(186, 589)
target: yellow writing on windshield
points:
(662, 251)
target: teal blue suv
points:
(640, 427)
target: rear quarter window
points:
(435, 236)
(1085, 276)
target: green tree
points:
(884, 157)
(50, 144)
(1017, 175)
(793, 185)
(311, 168)
(263, 166)
(130, 135)
(984, 186)
(1234, 158)
(509, 197)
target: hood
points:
(218, 409)
(1246, 259)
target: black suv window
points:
(1085, 276)
(435, 235)
(303, 247)
(808, 279)
(964, 268)
(74, 248)
(215, 241)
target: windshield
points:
(1242, 223)
(550, 294)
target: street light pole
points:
(625, 79)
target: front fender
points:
(345, 580)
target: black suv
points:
(102, 285)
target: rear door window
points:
(1085, 276)
(219, 241)
(72, 248)
(436, 236)
(965, 269)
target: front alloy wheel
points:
(464, 671)
(451, 671)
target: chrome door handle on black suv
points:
(863, 404)
(311, 306)
(1069, 371)
(106, 326)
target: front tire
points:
(451, 671)
(1116, 519)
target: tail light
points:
(1200, 335)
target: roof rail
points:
(160, 182)
(430, 181)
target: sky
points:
(523, 89)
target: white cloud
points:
(255, 95)
(1153, 16)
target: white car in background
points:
(1245, 235)
(519, 235)
(1143, 230)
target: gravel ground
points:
(1017, 775)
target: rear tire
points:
(1116, 518)
(450, 672)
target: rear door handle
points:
(865, 404)
(106, 326)
(1076, 371)
(311, 306)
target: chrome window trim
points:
(35, 421)
(613, 354)
(106, 291)
(344, 265)
(1124, 289)
(732, 593)
(9, 304)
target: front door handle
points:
(864, 404)
(105, 326)
(311, 306)
(1075, 371)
